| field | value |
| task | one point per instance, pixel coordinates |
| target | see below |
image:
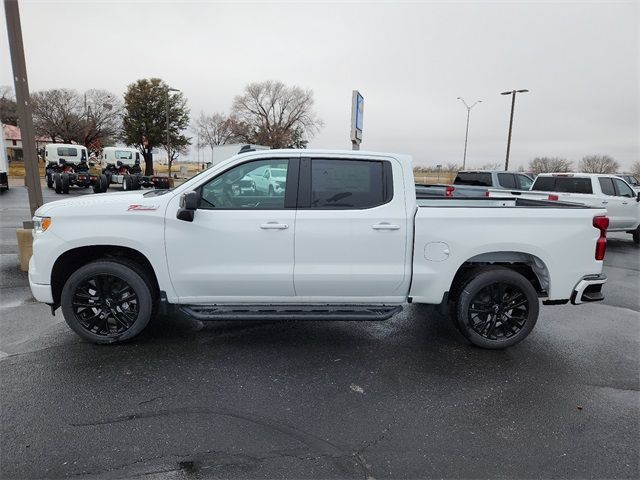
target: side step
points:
(291, 312)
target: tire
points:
(496, 308)
(57, 182)
(49, 180)
(135, 183)
(636, 236)
(271, 192)
(65, 182)
(111, 320)
(127, 183)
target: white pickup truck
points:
(596, 190)
(344, 239)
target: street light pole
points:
(169, 89)
(513, 105)
(466, 135)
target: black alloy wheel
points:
(495, 307)
(107, 301)
(498, 311)
(105, 305)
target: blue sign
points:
(359, 111)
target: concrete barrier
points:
(25, 247)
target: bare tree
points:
(635, 168)
(273, 114)
(64, 115)
(102, 118)
(549, 165)
(598, 164)
(491, 166)
(216, 129)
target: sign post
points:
(357, 114)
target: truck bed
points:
(490, 202)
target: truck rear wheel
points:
(107, 302)
(496, 308)
(65, 182)
(57, 182)
(49, 180)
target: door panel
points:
(239, 247)
(344, 250)
(628, 204)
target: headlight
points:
(41, 224)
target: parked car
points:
(348, 239)
(476, 183)
(597, 190)
(270, 180)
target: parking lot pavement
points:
(402, 398)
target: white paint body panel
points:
(323, 256)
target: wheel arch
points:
(532, 267)
(72, 259)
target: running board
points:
(291, 312)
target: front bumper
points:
(589, 289)
(40, 292)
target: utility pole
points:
(18, 64)
(513, 105)
(466, 135)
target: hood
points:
(102, 201)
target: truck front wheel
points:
(636, 235)
(106, 302)
(496, 308)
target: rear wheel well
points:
(73, 259)
(527, 265)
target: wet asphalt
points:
(405, 398)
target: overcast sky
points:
(580, 61)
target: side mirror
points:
(188, 206)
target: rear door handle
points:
(274, 226)
(604, 203)
(385, 226)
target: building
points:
(13, 143)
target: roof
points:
(11, 132)
(577, 174)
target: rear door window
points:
(606, 185)
(506, 180)
(478, 179)
(345, 184)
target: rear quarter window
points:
(563, 184)
(474, 179)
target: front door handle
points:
(385, 226)
(605, 202)
(625, 203)
(274, 226)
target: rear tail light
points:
(448, 191)
(601, 223)
(487, 193)
(553, 197)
